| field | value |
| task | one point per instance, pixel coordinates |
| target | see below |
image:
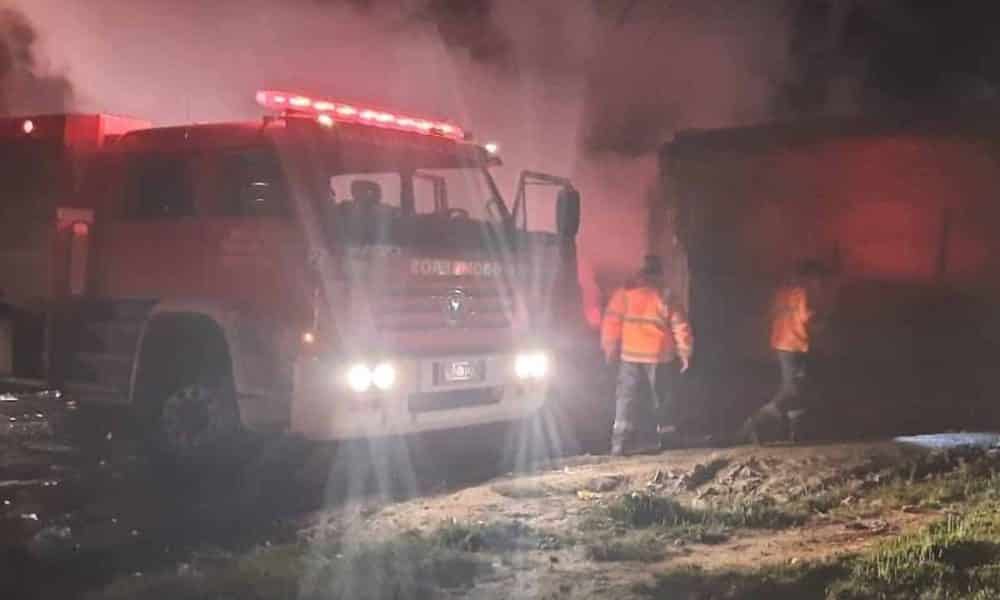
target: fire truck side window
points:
(161, 187)
(380, 189)
(428, 195)
(34, 176)
(251, 185)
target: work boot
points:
(617, 447)
(795, 425)
(666, 435)
(748, 433)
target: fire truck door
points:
(154, 246)
(255, 255)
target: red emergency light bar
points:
(329, 111)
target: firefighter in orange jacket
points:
(793, 325)
(646, 331)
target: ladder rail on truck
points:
(333, 270)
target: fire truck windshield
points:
(392, 193)
(448, 193)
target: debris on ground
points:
(604, 484)
(52, 542)
(48, 447)
(702, 473)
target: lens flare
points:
(359, 378)
(384, 376)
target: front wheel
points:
(199, 424)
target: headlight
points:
(359, 378)
(533, 365)
(384, 376)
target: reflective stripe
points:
(645, 354)
(648, 359)
(653, 320)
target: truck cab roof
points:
(238, 134)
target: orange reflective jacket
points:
(645, 327)
(790, 320)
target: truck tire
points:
(185, 397)
(199, 424)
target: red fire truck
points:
(333, 270)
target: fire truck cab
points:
(332, 270)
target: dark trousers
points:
(792, 395)
(794, 381)
(642, 397)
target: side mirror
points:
(568, 212)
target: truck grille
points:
(431, 401)
(413, 309)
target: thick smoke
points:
(892, 56)
(669, 66)
(24, 86)
(584, 88)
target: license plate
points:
(462, 370)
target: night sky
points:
(922, 54)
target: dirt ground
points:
(81, 511)
(561, 499)
(81, 504)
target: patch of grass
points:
(826, 500)
(953, 558)
(930, 481)
(411, 566)
(272, 573)
(963, 484)
(638, 548)
(699, 533)
(640, 510)
(800, 582)
(594, 520)
(494, 537)
(957, 558)
(756, 513)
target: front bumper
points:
(324, 408)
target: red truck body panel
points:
(55, 150)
